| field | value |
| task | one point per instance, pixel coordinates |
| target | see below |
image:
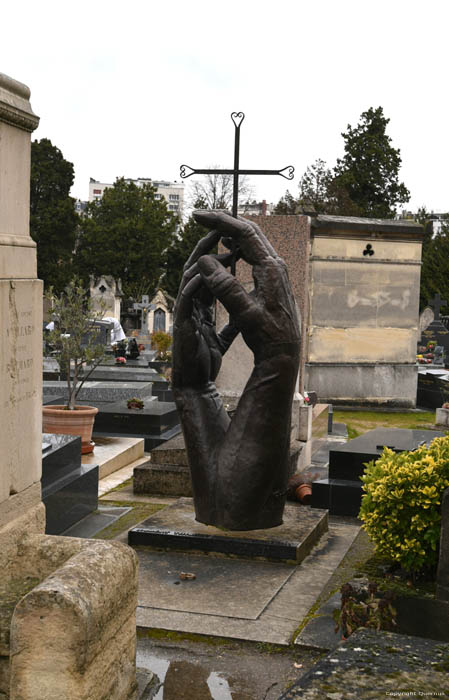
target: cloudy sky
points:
(137, 88)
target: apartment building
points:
(172, 192)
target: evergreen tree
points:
(53, 220)
(125, 234)
(286, 205)
(178, 253)
(369, 169)
(435, 264)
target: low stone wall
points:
(73, 635)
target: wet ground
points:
(211, 670)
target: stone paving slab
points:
(217, 587)
(279, 619)
(372, 665)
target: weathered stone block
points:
(73, 635)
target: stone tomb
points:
(156, 422)
(69, 489)
(96, 392)
(134, 371)
(341, 492)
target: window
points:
(173, 197)
(173, 207)
(157, 196)
(97, 191)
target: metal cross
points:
(437, 303)
(237, 118)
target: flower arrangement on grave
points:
(120, 348)
(120, 360)
(445, 405)
(162, 342)
(135, 403)
(401, 506)
(306, 399)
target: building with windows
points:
(172, 192)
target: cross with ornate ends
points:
(437, 303)
(187, 171)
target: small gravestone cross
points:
(186, 171)
(437, 303)
(144, 307)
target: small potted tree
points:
(161, 342)
(76, 343)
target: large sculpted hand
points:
(239, 467)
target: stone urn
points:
(80, 421)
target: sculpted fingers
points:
(184, 301)
(227, 289)
(204, 246)
(254, 248)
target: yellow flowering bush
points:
(401, 506)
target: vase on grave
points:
(80, 421)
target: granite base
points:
(175, 528)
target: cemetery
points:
(171, 553)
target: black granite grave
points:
(433, 390)
(95, 393)
(122, 373)
(157, 422)
(341, 492)
(69, 488)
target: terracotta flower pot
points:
(304, 493)
(57, 419)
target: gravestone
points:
(341, 492)
(433, 387)
(425, 318)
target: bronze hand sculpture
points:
(240, 467)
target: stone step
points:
(112, 453)
(162, 479)
(121, 475)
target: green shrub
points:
(401, 506)
(161, 342)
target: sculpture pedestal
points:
(175, 528)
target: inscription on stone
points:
(19, 363)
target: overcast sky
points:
(137, 88)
